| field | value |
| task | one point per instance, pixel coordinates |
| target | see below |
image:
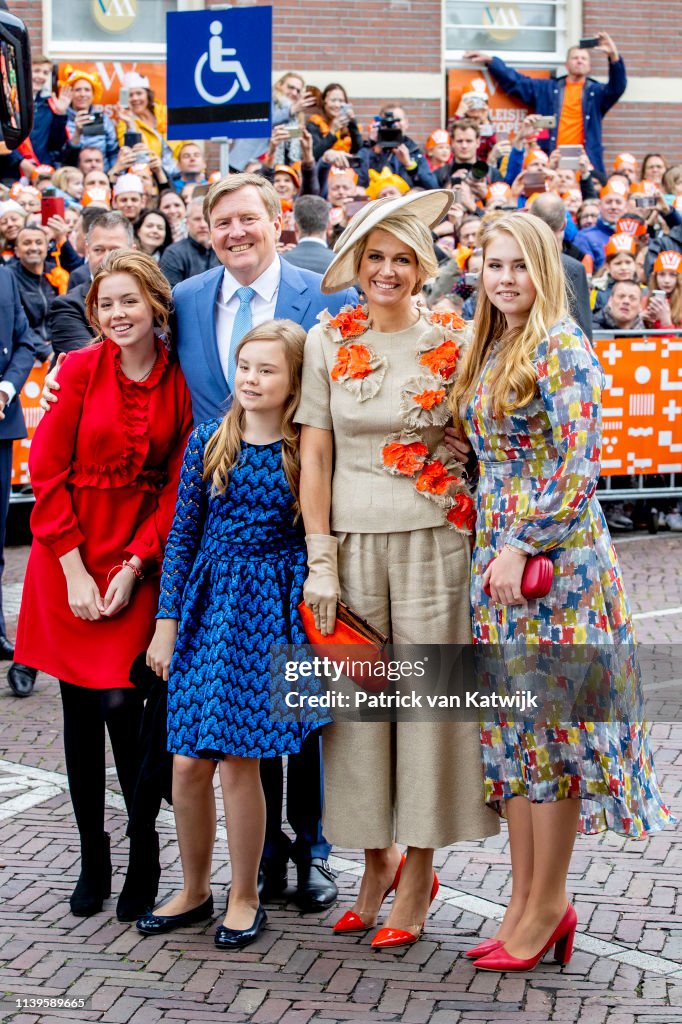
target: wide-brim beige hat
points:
(430, 207)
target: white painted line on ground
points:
(618, 540)
(54, 783)
(659, 612)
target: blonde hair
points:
(224, 445)
(514, 378)
(153, 285)
(674, 299)
(233, 182)
(60, 178)
(411, 231)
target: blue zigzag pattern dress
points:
(233, 575)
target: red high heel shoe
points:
(561, 938)
(352, 922)
(483, 948)
(387, 938)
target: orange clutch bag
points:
(350, 630)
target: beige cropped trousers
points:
(416, 783)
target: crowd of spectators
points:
(122, 183)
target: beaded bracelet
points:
(139, 575)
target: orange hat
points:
(387, 177)
(668, 260)
(624, 158)
(643, 188)
(97, 196)
(631, 226)
(614, 188)
(19, 189)
(286, 169)
(531, 155)
(42, 171)
(461, 255)
(438, 138)
(620, 243)
(348, 172)
(71, 75)
(498, 190)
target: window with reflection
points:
(537, 27)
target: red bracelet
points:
(139, 575)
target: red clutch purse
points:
(350, 630)
(537, 577)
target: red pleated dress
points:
(105, 464)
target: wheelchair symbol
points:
(218, 65)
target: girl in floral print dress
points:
(388, 519)
(529, 396)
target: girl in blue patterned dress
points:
(232, 579)
(529, 397)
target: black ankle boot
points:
(94, 882)
(141, 885)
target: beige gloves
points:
(321, 590)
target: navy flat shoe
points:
(234, 938)
(156, 924)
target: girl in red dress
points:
(104, 467)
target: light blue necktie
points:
(243, 322)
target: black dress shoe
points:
(156, 924)
(316, 888)
(21, 679)
(234, 938)
(273, 880)
(6, 648)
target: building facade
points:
(402, 50)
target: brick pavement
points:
(626, 968)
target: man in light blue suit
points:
(213, 312)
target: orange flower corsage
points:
(422, 403)
(462, 513)
(434, 478)
(404, 455)
(442, 361)
(451, 319)
(351, 323)
(352, 361)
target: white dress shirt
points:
(263, 306)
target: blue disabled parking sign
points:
(219, 73)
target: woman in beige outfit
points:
(388, 519)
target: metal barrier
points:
(641, 413)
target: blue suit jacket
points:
(299, 299)
(17, 353)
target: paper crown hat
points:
(620, 243)
(624, 158)
(343, 172)
(668, 260)
(614, 186)
(631, 226)
(498, 190)
(438, 138)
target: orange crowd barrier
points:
(641, 404)
(29, 397)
